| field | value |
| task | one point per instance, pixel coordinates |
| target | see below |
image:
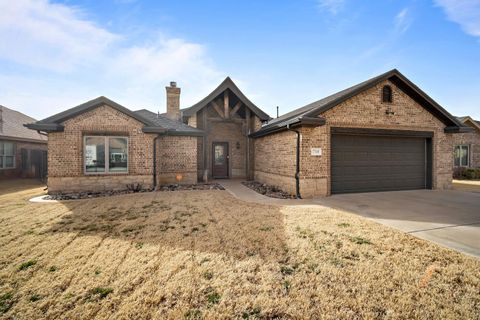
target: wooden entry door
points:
(220, 160)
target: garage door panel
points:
(352, 171)
(363, 163)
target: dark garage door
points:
(365, 163)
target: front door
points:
(220, 160)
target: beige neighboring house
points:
(23, 152)
(382, 134)
(467, 145)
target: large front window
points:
(7, 155)
(106, 154)
(461, 156)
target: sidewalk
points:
(238, 190)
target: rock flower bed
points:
(200, 186)
(268, 190)
(168, 187)
(88, 195)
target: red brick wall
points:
(275, 160)
(176, 159)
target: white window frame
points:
(107, 154)
(468, 155)
(3, 167)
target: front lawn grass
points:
(205, 254)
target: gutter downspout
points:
(155, 162)
(297, 173)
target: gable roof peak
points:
(474, 123)
(54, 122)
(224, 85)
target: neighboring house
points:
(467, 145)
(22, 151)
(380, 135)
(383, 134)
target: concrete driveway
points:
(450, 218)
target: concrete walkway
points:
(450, 218)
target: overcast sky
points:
(57, 54)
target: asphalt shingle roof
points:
(162, 121)
(319, 106)
(89, 105)
(153, 122)
(12, 126)
(463, 119)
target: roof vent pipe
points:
(277, 111)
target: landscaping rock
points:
(89, 195)
(268, 190)
(168, 187)
(200, 186)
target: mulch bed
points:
(268, 190)
(168, 187)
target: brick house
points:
(22, 151)
(101, 145)
(382, 134)
(467, 145)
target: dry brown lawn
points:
(466, 185)
(205, 254)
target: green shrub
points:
(462, 173)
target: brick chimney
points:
(173, 101)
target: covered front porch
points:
(227, 118)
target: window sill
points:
(99, 174)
